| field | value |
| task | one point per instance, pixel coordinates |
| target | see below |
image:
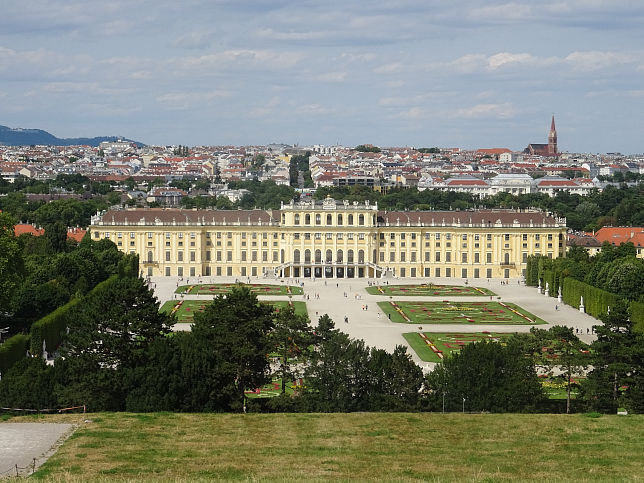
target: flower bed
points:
(222, 288)
(447, 312)
(185, 309)
(435, 346)
(429, 289)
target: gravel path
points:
(21, 443)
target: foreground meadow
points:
(358, 446)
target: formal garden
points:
(450, 312)
(428, 289)
(185, 310)
(222, 288)
(435, 346)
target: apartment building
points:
(331, 239)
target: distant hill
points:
(27, 137)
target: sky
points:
(421, 73)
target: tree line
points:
(118, 353)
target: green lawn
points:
(469, 313)
(428, 289)
(186, 309)
(222, 288)
(433, 346)
(555, 387)
(402, 447)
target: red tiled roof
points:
(25, 228)
(556, 182)
(621, 234)
(466, 182)
(493, 151)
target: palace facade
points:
(331, 239)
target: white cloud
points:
(391, 68)
(506, 58)
(265, 110)
(412, 114)
(595, 60)
(314, 109)
(331, 76)
(193, 40)
(186, 100)
(498, 111)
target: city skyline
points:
(406, 73)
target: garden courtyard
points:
(428, 289)
(223, 288)
(366, 316)
(435, 346)
(450, 312)
(185, 310)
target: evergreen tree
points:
(235, 332)
(618, 365)
(486, 376)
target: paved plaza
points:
(28, 445)
(340, 298)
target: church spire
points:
(552, 138)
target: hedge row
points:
(637, 315)
(50, 328)
(596, 301)
(12, 350)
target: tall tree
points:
(618, 364)
(291, 339)
(560, 351)
(11, 262)
(486, 376)
(235, 328)
(109, 332)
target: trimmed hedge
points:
(637, 315)
(50, 328)
(596, 301)
(12, 350)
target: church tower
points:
(552, 138)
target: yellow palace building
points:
(332, 239)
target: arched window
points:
(307, 256)
(329, 256)
(297, 219)
(296, 256)
(318, 219)
(374, 256)
(339, 219)
(374, 220)
(282, 257)
(361, 220)
(339, 256)
(329, 220)
(506, 258)
(307, 219)
(150, 257)
(283, 218)
(350, 256)
(318, 256)
(360, 256)
(350, 220)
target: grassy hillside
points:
(359, 446)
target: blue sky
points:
(393, 73)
